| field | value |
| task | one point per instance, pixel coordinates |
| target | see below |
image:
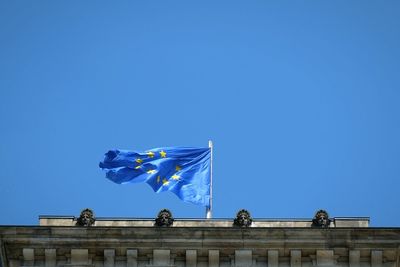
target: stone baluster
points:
(29, 256)
(295, 258)
(376, 258)
(273, 258)
(325, 258)
(131, 258)
(109, 258)
(79, 256)
(161, 257)
(243, 258)
(191, 258)
(354, 258)
(50, 257)
(213, 258)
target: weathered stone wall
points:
(198, 246)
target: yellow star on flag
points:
(177, 168)
(175, 177)
(163, 154)
(138, 167)
(165, 182)
(151, 171)
(150, 154)
(158, 179)
(139, 161)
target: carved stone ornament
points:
(321, 219)
(243, 219)
(164, 218)
(86, 218)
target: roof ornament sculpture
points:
(321, 219)
(243, 218)
(86, 218)
(164, 218)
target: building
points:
(87, 241)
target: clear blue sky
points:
(301, 99)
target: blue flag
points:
(185, 171)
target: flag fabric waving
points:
(185, 171)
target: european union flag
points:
(185, 171)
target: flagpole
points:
(209, 209)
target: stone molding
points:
(204, 223)
(156, 247)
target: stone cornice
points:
(75, 246)
(197, 237)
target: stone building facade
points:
(71, 242)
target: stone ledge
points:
(354, 222)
